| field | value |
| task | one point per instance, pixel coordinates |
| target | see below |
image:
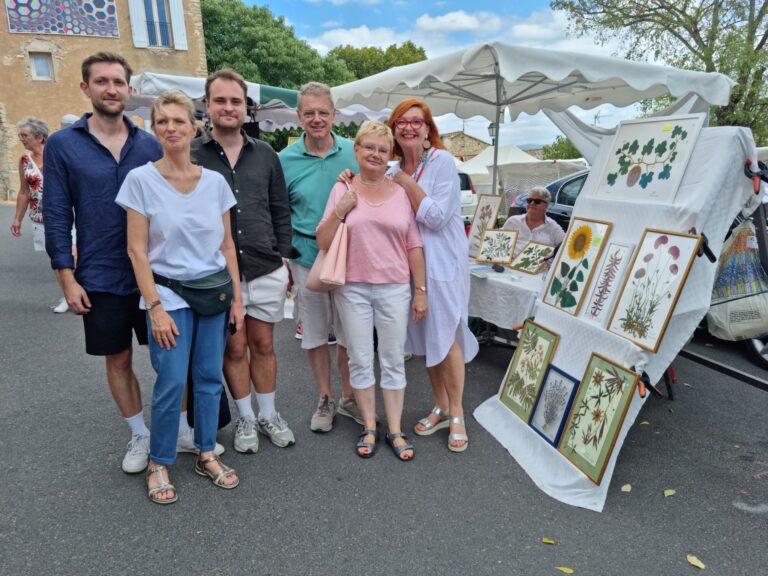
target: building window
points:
(41, 65)
(158, 22)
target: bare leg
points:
(393, 408)
(123, 383)
(342, 362)
(320, 362)
(439, 391)
(452, 371)
(236, 364)
(366, 401)
(263, 361)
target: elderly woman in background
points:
(33, 133)
(179, 227)
(535, 225)
(428, 174)
(384, 255)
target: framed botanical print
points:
(648, 158)
(497, 246)
(596, 416)
(652, 287)
(576, 261)
(486, 212)
(527, 368)
(532, 258)
(553, 404)
(608, 281)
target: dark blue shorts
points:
(111, 323)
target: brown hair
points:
(402, 108)
(107, 58)
(225, 74)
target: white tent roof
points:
(509, 154)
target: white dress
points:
(445, 252)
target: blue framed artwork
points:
(553, 404)
(68, 17)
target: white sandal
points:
(163, 486)
(456, 437)
(429, 428)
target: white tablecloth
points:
(711, 194)
(504, 298)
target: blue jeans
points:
(201, 339)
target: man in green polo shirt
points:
(311, 166)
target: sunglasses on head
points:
(536, 201)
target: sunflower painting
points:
(597, 415)
(575, 264)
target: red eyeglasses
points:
(415, 123)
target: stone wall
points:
(463, 145)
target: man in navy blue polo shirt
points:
(85, 165)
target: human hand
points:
(346, 176)
(402, 179)
(77, 298)
(16, 227)
(419, 306)
(346, 203)
(164, 329)
(237, 315)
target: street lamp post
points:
(492, 131)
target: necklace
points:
(425, 156)
(372, 183)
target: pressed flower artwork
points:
(607, 284)
(532, 258)
(648, 158)
(596, 416)
(497, 246)
(527, 368)
(576, 261)
(485, 218)
(652, 287)
(553, 403)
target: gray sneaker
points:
(277, 430)
(348, 407)
(246, 438)
(322, 419)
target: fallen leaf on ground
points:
(686, 385)
(548, 541)
(693, 561)
(669, 492)
(645, 423)
(626, 488)
(564, 569)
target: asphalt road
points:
(317, 509)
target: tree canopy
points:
(727, 36)
(370, 60)
(560, 149)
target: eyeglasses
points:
(415, 123)
(310, 114)
(370, 149)
(536, 201)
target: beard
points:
(107, 112)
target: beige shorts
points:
(38, 237)
(317, 312)
(264, 297)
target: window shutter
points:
(138, 23)
(177, 24)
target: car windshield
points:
(464, 180)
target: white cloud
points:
(340, 2)
(459, 21)
(358, 37)
(331, 24)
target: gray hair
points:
(37, 127)
(542, 193)
(316, 89)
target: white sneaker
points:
(61, 307)
(246, 438)
(186, 443)
(278, 431)
(137, 457)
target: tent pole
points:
(496, 150)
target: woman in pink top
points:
(383, 256)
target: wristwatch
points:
(150, 305)
(422, 289)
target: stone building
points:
(463, 146)
(42, 44)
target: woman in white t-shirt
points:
(383, 255)
(179, 228)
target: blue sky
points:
(442, 26)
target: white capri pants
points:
(361, 307)
(316, 311)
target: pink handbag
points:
(330, 268)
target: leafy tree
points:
(727, 36)
(560, 149)
(370, 60)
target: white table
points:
(505, 299)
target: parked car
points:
(468, 197)
(564, 193)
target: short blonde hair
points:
(376, 129)
(173, 97)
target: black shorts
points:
(110, 324)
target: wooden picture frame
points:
(596, 416)
(497, 246)
(652, 287)
(577, 259)
(527, 368)
(608, 282)
(532, 258)
(553, 404)
(486, 212)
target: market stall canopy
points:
(273, 108)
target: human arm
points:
(280, 209)
(58, 208)
(22, 201)
(419, 277)
(336, 211)
(236, 312)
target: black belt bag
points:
(207, 296)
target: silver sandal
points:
(217, 479)
(162, 487)
(458, 421)
(429, 428)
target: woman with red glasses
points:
(428, 174)
(535, 225)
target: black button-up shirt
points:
(261, 220)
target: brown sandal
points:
(217, 479)
(163, 486)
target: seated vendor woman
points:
(535, 225)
